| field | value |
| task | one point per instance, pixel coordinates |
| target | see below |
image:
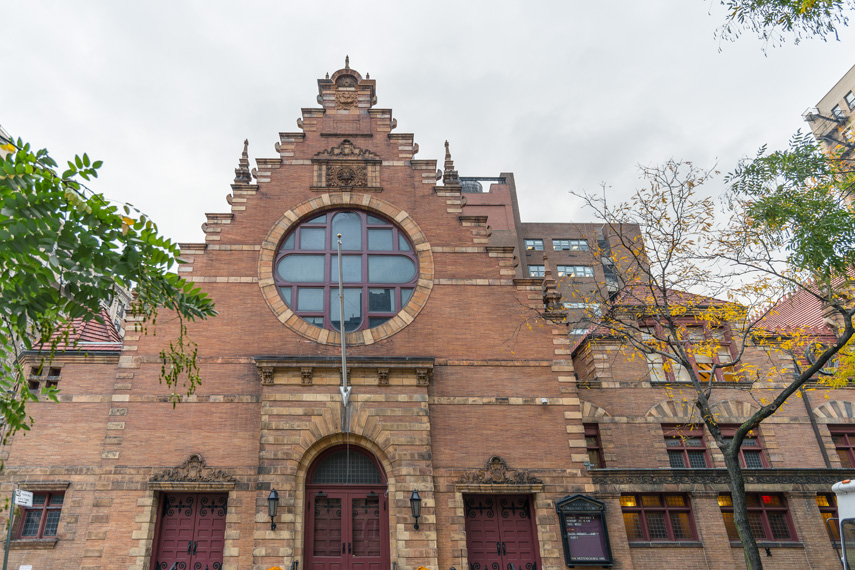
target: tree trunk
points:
(740, 511)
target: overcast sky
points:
(565, 94)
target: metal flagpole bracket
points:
(344, 389)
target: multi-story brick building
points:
(831, 120)
(465, 392)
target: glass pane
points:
(405, 296)
(381, 300)
(755, 521)
(289, 242)
(310, 299)
(31, 522)
(56, 500)
(694, 442)
(848, 526)
(390, 269)
(697, 460)
(377, 321)
(286, 294)
(831, 527)
(778, 525)
(632, 521)
(772, 501)
(313, 238)
(319, 220)
(628, 501)
(39, 500)
(673, 442)
(732, 534)
(327, 535)
(822, 501)
(52, 522)
(656, 525)
(675, 458)
(752, 500)
(725, 501)
(752, 460)
(845, 460)
(594, 457)
(376, 220)
(343, 468)
(380, 240)
(651, 500)
(680, 526)
(675, 500)
(317, 321)
(302, 268)
(349, 225)
(366, 526)
(350, 264)
(403, 244)
(352, 309)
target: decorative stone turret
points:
(346, 91)
(450, 176)
(242, 175)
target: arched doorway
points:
(347, 512)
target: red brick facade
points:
(467, 391)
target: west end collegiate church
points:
(478, 433)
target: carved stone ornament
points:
(265, 373)
(383, 376)
(496, 472)
(345, 99)
(347, 150)
(193, 470)
(796, 476)
(423, 376)
(306, 376)
(347, 175)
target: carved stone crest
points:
(305, 376)
(496, 472)
(383, 376)
(345, 99)
(347, 175)
(347, 150)
(193, 470)
(423, 376)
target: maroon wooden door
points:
(500, 532)
(347, 529)
(191, 533)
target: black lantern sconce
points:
(272, 507)
(416, 507)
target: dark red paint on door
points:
(191, 532)
(500, 531)
(348, 529)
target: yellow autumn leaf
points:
(8, 147)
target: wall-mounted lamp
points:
(416, 507)
(272, 507)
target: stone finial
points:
(347, 62)
(367, 75)
(328, 75)
(242, 171)
(450, 176)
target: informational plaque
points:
(23, 498)
(583, 531)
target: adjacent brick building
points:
(465, 388)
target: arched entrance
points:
(347, 514)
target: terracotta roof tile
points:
(88, 336)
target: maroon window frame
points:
(844, 443)
(371, 315)
(686, 447)
(768, 516)
(652, 517)
(827, 505)
(705, 333)
(751, 452)
(593, 445)
(42, 519)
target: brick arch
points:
(593, 412)
(385, 456)
(835, 410)
(315, 207)
(733, 411)
(673, 410)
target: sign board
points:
(583, 531)
(25, 567)
(23, 498)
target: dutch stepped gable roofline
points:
(86, 336)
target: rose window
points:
(379, 270)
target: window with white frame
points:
(536, 270)
(850, 100)
(570, 244)
(838, 112)
(575, 271)
(534, 245)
